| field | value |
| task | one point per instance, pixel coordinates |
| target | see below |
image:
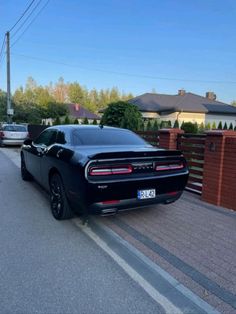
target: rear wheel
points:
(25, 175)
(59, 204)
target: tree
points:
(3, 106)
(235, 128)
(201, 128)
(95, 122)
(189, 127)
(76, 121)
(149, 125)
(231, 126)
(155, 126)
(225, 126)
(85, 121)
(67, 120)
(213, 125)
(57, 121)
(176, 124)
(60, 91)
(122, 114)
(208, 126)
(169, 125)
(220, 126)
(75, 93)
(129, 120)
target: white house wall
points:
(223, 118)
(150, 115)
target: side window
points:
(63, 136)
(48, 137)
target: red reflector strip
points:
(97, 171)
(169, 167)
(172, 193)
(111, 202)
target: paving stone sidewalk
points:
(192, 240)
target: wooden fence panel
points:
(193, 148)
(151, 137)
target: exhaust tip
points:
(108, 211)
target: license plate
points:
(145, 194)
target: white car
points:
(13, 134)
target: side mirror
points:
(28, 141)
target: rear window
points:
(15, 128)
(103, 136)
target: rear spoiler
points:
(133, 154)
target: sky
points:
(136, 45)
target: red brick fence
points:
(212, 162)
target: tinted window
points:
(63, 136)
(15, 128)
(47, 138)
(105, 136)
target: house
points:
(76, 111)
(187, 107)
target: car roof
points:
(85, 126)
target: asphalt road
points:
(52, 267)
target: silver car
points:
(13, 134)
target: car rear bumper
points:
(12, 141)
(121, 205)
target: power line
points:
(19, 28)
(26, 10)
(123, 73)
(31, 22)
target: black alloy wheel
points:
(59, 204)
(25, 175)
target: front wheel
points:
(59, 204)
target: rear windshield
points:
(105, 137)
(15, 128)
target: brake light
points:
(2, 134)
(164, 167)
(110, 170)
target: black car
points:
(100, 169)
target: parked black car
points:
(98, 169)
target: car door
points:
(38, 151)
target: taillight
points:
(2, 134)
(110, 170)
(164, 167)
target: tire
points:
(25, 175)
(60, 207)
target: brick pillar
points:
(228, 191)
(213, 165)
(168, 138)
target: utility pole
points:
(9, 109)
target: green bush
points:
(76, 121)
(220, 126)
(176, 124)
(214, 125)
(231, 126)
(67, 120)
(95, 122)
(189, 127)
(149, 125)
(122, 114)
(225, 126)
(85, 121)
(57, 121)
